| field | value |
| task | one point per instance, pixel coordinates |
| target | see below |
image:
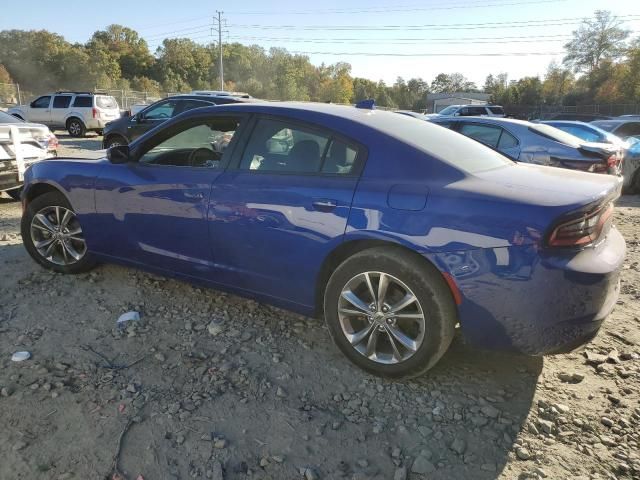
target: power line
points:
(466, 41)
(467, 5)
(396, 54)
(436, 26)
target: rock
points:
(595, 358)
(160, 357)
(540, 472)
(6, 391)
(220, 443)
(546, 426)
(310, 474)
(400, 474)
(488, 467)
(280, 392)
(459, 445)
(522, 453)
(422, 465)
(277, 458)
(363, 463)
(490, 411)
(19, 445)
(214, 328)
(562, 408)
(264, 462)
(607, 422)
(180, 439)
(613, 356)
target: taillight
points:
(53, 142)
(582, 230)
(95, 112)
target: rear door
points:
(282, 206)
(59, 109)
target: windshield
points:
(442, 143)
(6, 118)
(106, 102)
(555, 134)
(449, 110)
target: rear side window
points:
(83, 101)
(106, 102)
(161, 111)
(487, 134)
(507, 140)
(280, 147)
(580, 132)
(555, 134)
(61, 101)
(191, 104)
(473, 111)
(496, 110)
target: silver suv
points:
(472, 111)
(76, 112)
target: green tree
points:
(598, 39)
(451, 83)
(124, 46)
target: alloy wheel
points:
(57, 236)
(381, 317)
(75, 128)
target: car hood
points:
(550, 186)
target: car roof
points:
(616, 121)
(569, 122)
(210, 98)
(496, 120)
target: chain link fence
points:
(543, 112)
(10, 95)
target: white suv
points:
(76, 112)
(471, 111)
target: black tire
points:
(51, 199)
(99, 133)
(15, 193)
(76, 128)
(425, 282)
(113, 140)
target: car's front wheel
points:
(114, 141)
(390, 312)
(53, 236)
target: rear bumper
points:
(538, 303)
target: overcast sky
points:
(409, 39)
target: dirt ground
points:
(213, 386)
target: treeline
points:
(602, 65)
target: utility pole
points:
(218, 28)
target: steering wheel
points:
(192, 159)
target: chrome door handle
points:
(194, 195)
(324, 205)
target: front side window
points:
(162, 111)
(280, 147)
(201, 145)
(83, 101)
(191, 104)
(487, 134)
(449, 110)
(61, 101)
(42, 102)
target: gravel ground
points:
(209, 385)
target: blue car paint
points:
(260, 235)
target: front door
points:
(40, 110)
(281, 207)
(153, 210)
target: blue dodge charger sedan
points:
(394, 230)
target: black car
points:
(127, 128)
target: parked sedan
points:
(394, 230)
(630, 147)
(538, 143)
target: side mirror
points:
(457, 114)
(138, 117)
(32, 104)
(118, 154)
(126, 113)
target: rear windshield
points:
(106, 102)
(456, 149)
(555, 134)
(6, 118)
(496, 110)
(82, 101)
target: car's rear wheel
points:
(76, 128)
(15, 193)
(114, 141)
(53, 236)
(390, 312)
